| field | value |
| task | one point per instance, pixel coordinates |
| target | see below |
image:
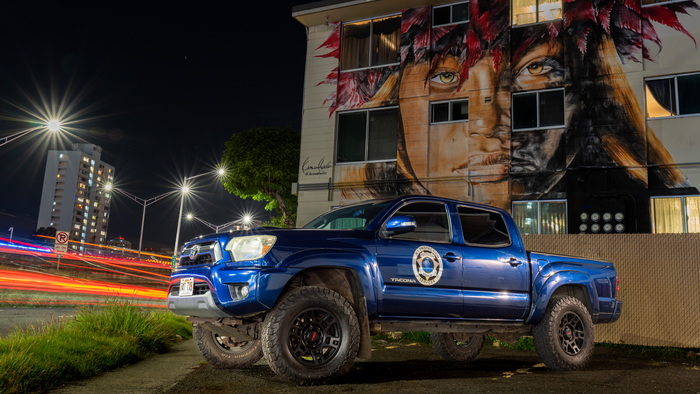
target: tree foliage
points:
(262, 163)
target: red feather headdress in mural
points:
(627, 23)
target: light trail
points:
(18, 280)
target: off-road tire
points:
(311, 337)
(564, 337)
(456, 346)
(224, 352)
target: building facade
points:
(73, 198)
(577, 116)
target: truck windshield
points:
(353, 217)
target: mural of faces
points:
(565, 76)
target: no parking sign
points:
(61, 244)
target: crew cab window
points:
(483, 228)
(432, 222)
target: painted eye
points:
(445, 77)
(537, 68)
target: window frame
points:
(489, 212)
(539, 214)
(410, 236)
(450, 116)
(538, 120)
(537, 14)
(367, 111)
(684, 212)
(660, 2)
(676, 96)
(451, 5)
(370, 46)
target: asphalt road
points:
(14, 318)
(407, 369)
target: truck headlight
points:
(250, 248)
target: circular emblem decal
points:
(427, 265)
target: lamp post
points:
(184, 190)
(52, 125)
(144, 202)
(216, 228)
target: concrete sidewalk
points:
(153, 375)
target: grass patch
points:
(97, 339)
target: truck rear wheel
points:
(457, 346)
(564, 337)
(224, 352)
(311, 336)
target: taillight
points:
(617, 285)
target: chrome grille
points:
(205, 253)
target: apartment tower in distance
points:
(73, 198)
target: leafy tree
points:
(261, 164)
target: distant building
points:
(73, 198)
(119, 242)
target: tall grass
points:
(97, 339)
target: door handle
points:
(449, 256)
(514, 262)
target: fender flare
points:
(545, 288)
(274, 281)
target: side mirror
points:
(400, 225)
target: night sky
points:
(160, 89)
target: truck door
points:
(421, 271)
(495, 269)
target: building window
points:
(538, 110)
(677, 214)
(526, 12)
(368, 135)
(370, 43)
(673, 96)
(449, 111)
(451, 14)
(540, 217)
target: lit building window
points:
(535, 11)
(540, 217)
(370, 43)
(677, 214)
(673, 96)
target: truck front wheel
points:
(564, 337)
(311, 336)
(457, 346)
(224, 352)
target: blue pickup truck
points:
(308, 299)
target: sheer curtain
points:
(667, 214)
(386, 40)
(355, 45)
(692, 208)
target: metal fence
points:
(660, 283)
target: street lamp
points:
(52, 125)
(219, 172)
(143, 201)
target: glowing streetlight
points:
(185, 189)
(53, 125)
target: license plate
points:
(186, 286)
